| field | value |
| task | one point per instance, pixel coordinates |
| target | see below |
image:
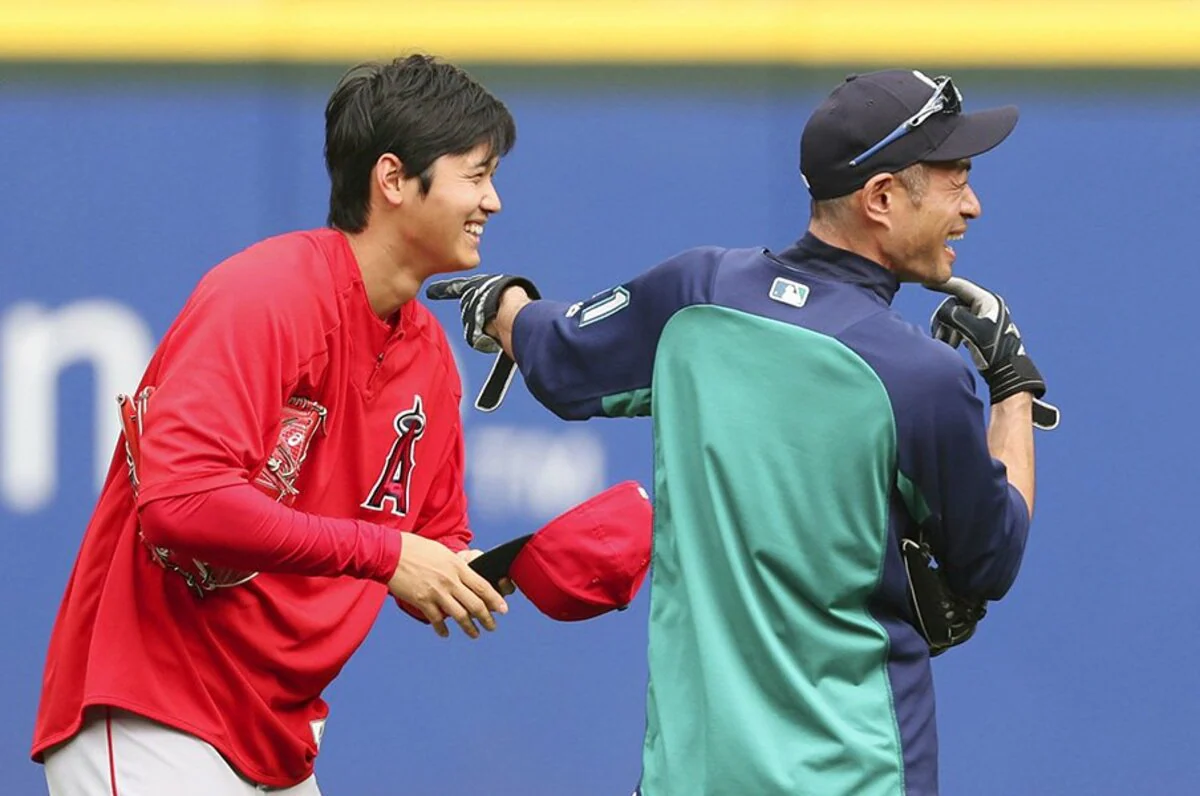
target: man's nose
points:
(971, 208)
(491, 201)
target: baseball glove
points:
(301, 420)
(943, 618)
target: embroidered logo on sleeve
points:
(604, 306)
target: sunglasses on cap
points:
(946, 99)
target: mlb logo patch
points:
(785, 291)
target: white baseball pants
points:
(117, 753)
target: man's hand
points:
(506, 586)
(479, 299)
(438, 582)
(981, 319)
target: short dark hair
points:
(416, 107)
(914, 178)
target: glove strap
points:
(1045, 416)
(497, 384)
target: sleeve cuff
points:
(390, 546)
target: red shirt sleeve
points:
(225, 369)
(241, 528)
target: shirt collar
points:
(349, 280)
(813, 254)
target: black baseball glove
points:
(980, 318)
(479, 298)
(944, 618)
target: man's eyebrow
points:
(964, 164)
(488, 162)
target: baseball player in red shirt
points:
(293, 454)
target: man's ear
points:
(877, 199)
(387, 179)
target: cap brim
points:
(495, 563)
(976, 133)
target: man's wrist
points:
(514, 297)
(391, 548)
(512, 300)
(1017, 403)
(1014, 376)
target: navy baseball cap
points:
(887, 121)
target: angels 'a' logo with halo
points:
(390, 492)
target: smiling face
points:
(927, 218)
(442, 228)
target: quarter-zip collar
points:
(812, 254)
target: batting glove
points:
(980, 318)
(479, 298)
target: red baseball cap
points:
(585, 562)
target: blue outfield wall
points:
(118, 194)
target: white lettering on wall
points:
(513, 470)
(36, 345)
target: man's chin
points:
(458, 267)
(938, 270)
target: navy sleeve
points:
(596, 357)
(976, 522)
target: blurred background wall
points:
(142, 142)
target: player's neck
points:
(839, 238)
(388, 276)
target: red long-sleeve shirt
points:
(243, 668)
